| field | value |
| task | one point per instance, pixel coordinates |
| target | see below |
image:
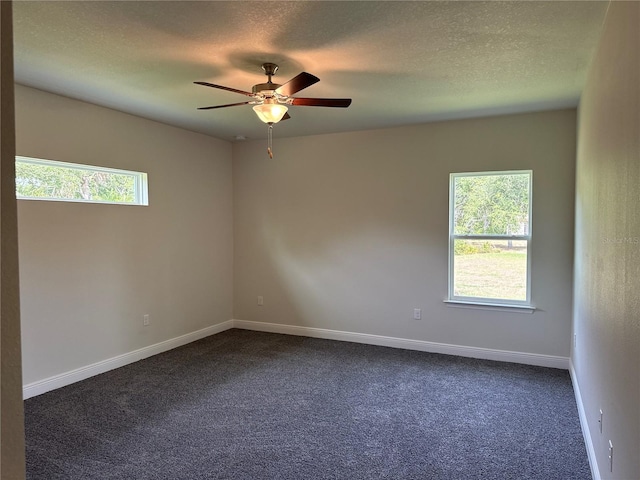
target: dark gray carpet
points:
(250, 405)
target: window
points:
(490, 238)
(38, 179)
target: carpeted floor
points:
(250, 405)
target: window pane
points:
(493, 269)
(491, 204)
(46, 179)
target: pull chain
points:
(270, 140)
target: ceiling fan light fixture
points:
(270, 112)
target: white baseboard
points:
(67, 378)
(57, 381)
(591, 452)
(421, 345)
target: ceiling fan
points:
(270, 99)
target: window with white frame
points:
(490, 237)
(39, 179)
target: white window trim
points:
(491, 306)
(141, 189)
(481, 302)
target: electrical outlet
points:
(600, 421)
(610, 456)
(145, 320)
(417, 314)
(260, 301)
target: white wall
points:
(607, 252)
(349, 231)
(89, 272)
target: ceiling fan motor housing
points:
(266, 89)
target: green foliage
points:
(491, 204)
(46, 181)
(462, 247)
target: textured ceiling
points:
(401, 62)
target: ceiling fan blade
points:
(242, 92)
(322, 102)
(297, 83)
(222, 106)
(285, 117)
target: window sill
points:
(491, 306)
